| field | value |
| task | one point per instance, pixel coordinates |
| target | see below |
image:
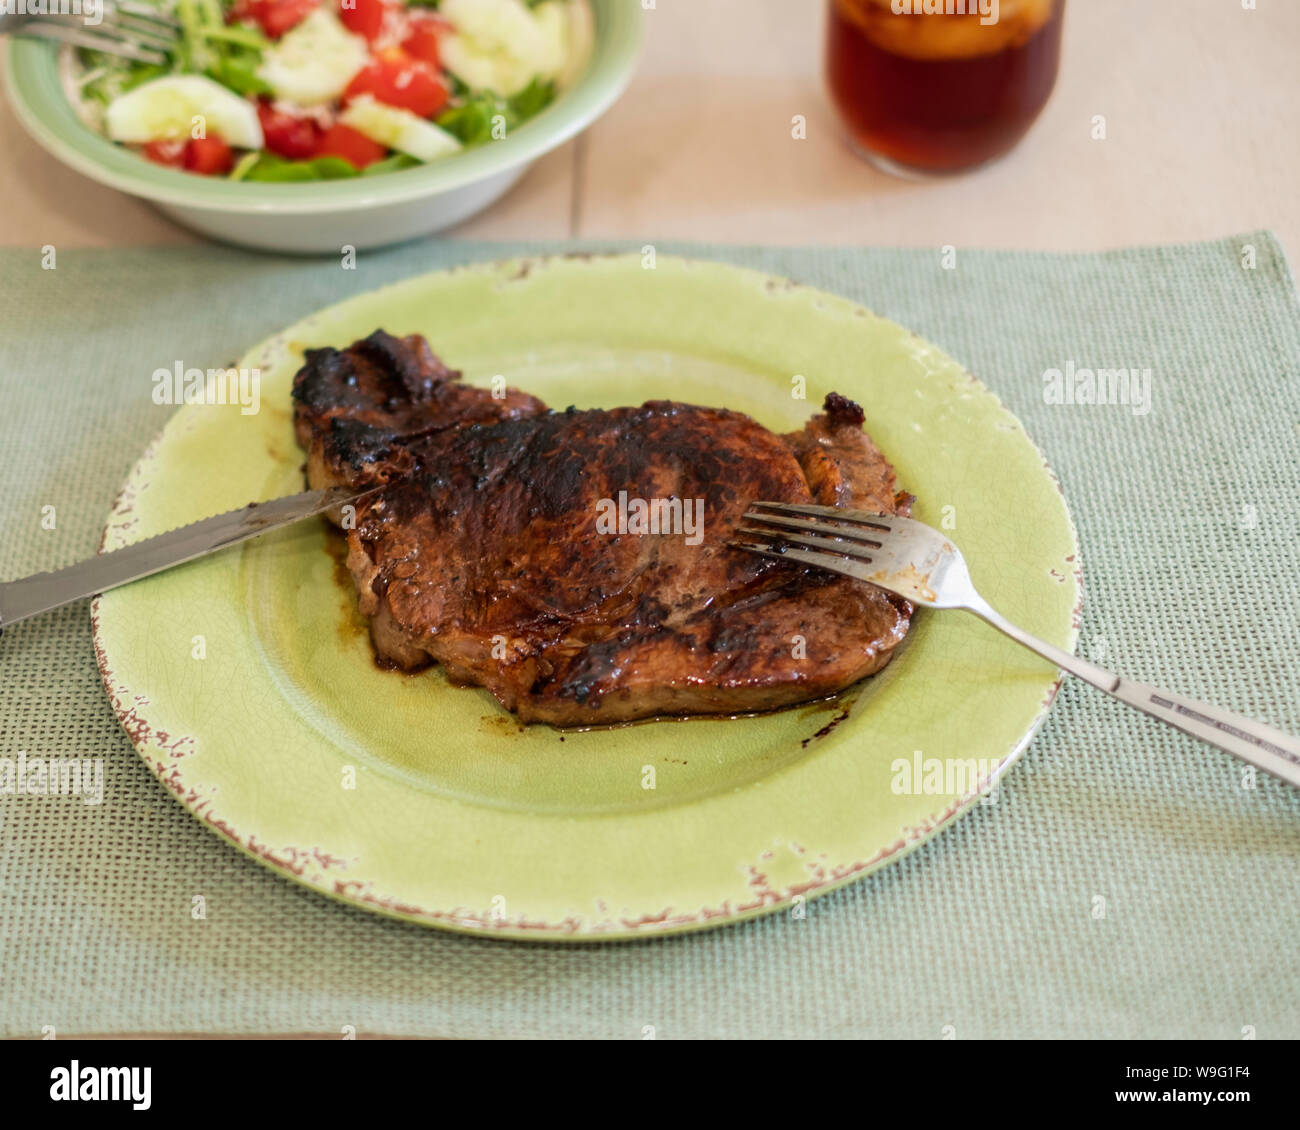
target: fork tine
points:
(851, 517)
(815, 527)
(755, 547)
(819, 560)
(808, 540)
(148, 40)
(63, 34)
(134, 29)
(144, 12)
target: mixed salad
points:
(301, 90)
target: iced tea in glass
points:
(940, 86)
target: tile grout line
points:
(578, 199)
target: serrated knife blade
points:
(41, 592)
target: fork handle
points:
(1263, 746)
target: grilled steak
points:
(509, 546)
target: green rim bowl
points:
(325, 216)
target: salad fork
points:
(131, 29)
(919, 563)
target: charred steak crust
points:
(356, 410)
(484, 554)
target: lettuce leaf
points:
(274, 169)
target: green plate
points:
(247, 682)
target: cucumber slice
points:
(553, 22)
(580, 42)
(500, 45)
(500, 25)
(165, 108)
(314, 62)
(398, 129)
(481, 68)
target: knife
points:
(39, 593)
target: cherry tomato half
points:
(209, 156)
(393, 77)
(171, 153)
(421, 42)
(343, 141)
(274, 17)
(288, 135)
(365, 17)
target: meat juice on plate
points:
(940, 93)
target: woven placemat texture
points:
(1125, 884)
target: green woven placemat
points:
(1125, 884)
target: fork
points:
(131, 29)
(919, 563)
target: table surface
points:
(1196, 94)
